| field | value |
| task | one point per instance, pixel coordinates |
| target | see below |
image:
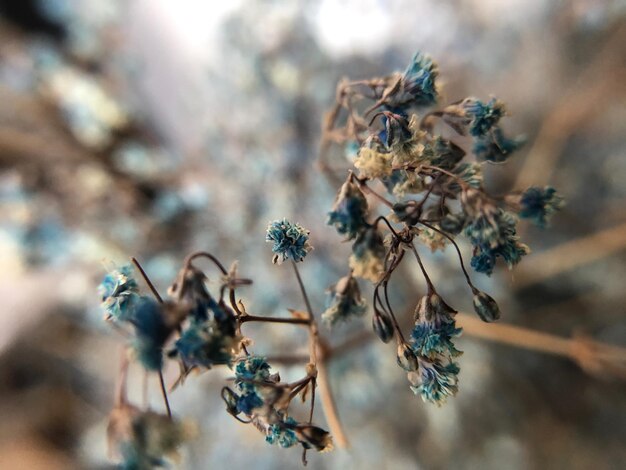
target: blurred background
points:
(152, 128)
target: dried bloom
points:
(482, 116)
(435, 381)
(539, 204)
(119, 293)
(291, 241)
(349, 211)
(417, 85)
(493, 233)
(443, 153)
(368, 253)
(373, 163)
(495, 147)
(401, 182)
(396, 134)
(282, 433)
(203, 344)
(344, 302)
(485, 306)
(382, 326)
(434, 329)
(145, 439)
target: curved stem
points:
(431, 287)
(458, 251)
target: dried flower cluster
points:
(200, 331)
(434, 194)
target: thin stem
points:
(205, 254)
(160, 299)
(164, 393)
(293, 321)
(147, 280)
(431, 287)
(122, 379)
(365, 189)
(456, 247)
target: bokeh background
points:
(152, 128)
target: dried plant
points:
(433, 194)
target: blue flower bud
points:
(485, 306)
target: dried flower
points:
(282, 433)
(291, 241)
(417, 85)
(368, 253)
(349, 211)
(538, 204)
(495, 147)
(435, 381)
(145, 439)
(373, 164)
(493, 234)
(483, 116)
(119, 293)
(344, 302)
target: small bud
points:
(382, 327)
(406, 358)
(407, 212)
(485, 306)
(313, 436)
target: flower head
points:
(483, 116)
(373, 163)
(493, 233)
(539, 204)
(119, 293)
(416, 86)
(495, 147)
(435, 381)
(145, 439)
(282, 433)
(435, 328)
(344, 302)
(349, 211)
(291, 241)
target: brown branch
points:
(562, 258)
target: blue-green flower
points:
(119, 293)
(417, 85)
(483, 116)
(282, 433)
(539, 204)
(344, 302)
(291, 241)
(349, 211)
(436, 382)
(202, 344)
(495, 147)
(443, 153)
(144, 439)
(434, 329)
(493, 233)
